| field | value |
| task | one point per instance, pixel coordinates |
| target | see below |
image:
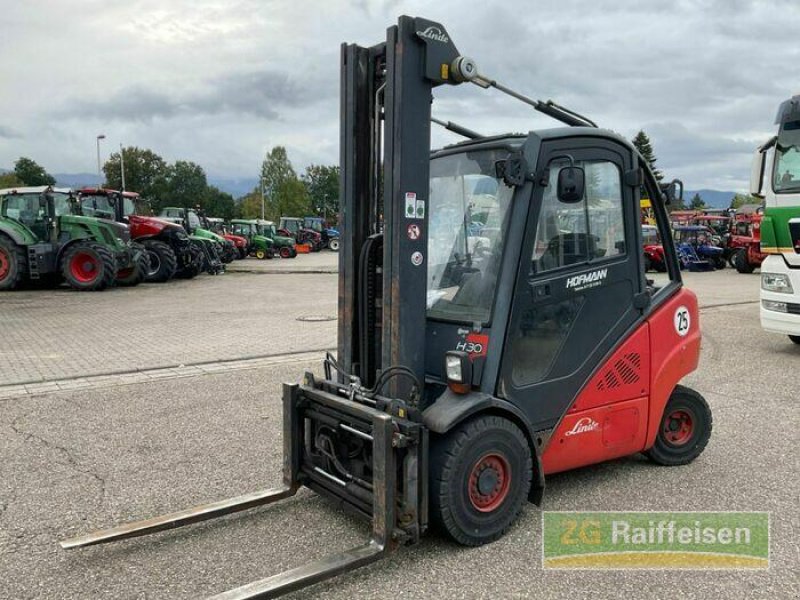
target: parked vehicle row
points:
(706, 242)
(95, 238)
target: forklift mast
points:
(385, 150)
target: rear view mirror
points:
(571, 184)
(757, 173)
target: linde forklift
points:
(495, 321)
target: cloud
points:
(259, 94)
(9, 133)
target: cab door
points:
(579, 281)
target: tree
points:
(217, 203)
(697, 202)
(145, 172)
(642, 143)
(29, 172)
(250, 205)
(285, 193)
(740, 200)
(185, 185)
(8, 180)
(322, 184)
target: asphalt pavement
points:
(74, 461)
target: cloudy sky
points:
(221, 82)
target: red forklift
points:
(476, 359)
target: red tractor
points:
(745, 241)
(172, 253)
(653, 250)
(217, 225)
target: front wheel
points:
(287, 252)
(88, 267)
(13, 264)
(741, 262)
(480, 476)
(684, 430)
(333, 244)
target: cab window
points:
(588, 231)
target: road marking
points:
(94, 382)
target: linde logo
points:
(434, 34)
(584, 425)
(584, 279)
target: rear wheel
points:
(162, 262)
(795, 338)
(480, 476)
(13, 264)
(719, 262)
(684, 430)
(741, 262)
(333, 244)
(88, 267)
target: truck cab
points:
(775, 177)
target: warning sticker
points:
(411, 205)
(413, 231)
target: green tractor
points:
(283, 244)
(40, 239)
(194, 221)
(257, 245)
(264, 239)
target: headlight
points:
(453, 368)
(776, 282)
(458, 371)
(774, 306)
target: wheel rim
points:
(285, 252)
(5, 264)
(260, 254)
(84, 267)
(678, 427)
(489, 482)
(155, 263)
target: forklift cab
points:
(544, 286)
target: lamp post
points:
(122, 166)
(262, 199)
(99, 167)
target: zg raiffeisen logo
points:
(645, 540)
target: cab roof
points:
(37, 189)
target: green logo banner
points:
(655, 540)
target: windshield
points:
(650, 236)
(314, 224)
(27, 209)
(468, 219)
(786, 174)
(97, 206)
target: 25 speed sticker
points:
(683, 321)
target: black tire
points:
(480, 475)
(88, 267)
(162, 261)
(795, 338)
(719, 262)
(228, 254)
(137, 274)
(242, 253)
(684, 430)
(648, 264)
(195, 266)
(262, 254)
(13, 264)
(741, 263)
(287, 252)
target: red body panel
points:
(147, 226)
(237, 240)
(618, 411)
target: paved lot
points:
(73, 461)
(56, 334)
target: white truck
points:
(775, 177)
